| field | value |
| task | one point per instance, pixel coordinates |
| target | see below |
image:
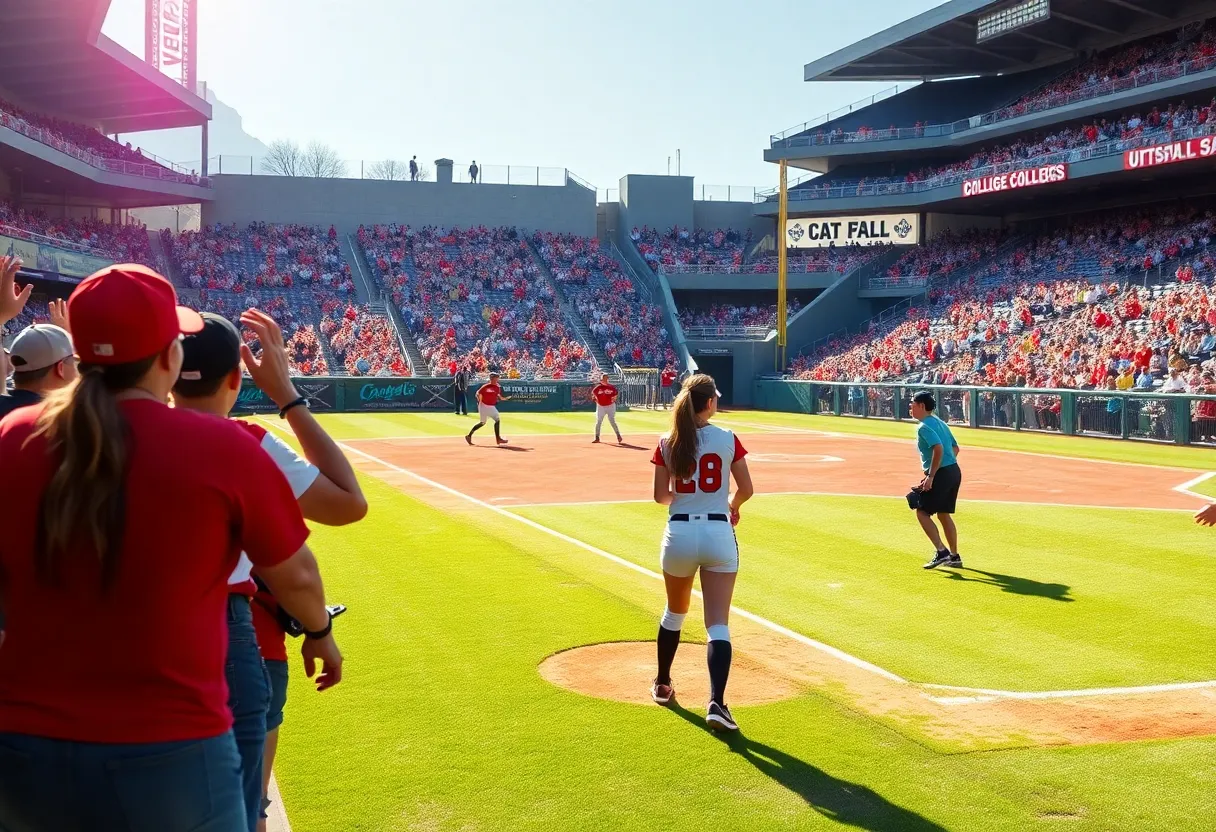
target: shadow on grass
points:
(1018, 586)
(836, 799)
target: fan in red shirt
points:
(667, 381)
(487, 408)
(115, 561)
(605, 406)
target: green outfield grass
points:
(443, 723)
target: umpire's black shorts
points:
(943, 497)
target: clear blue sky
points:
(603, 88)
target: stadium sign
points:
(171, 39)
(821, 232)
(1168, 154)
(1026, 178)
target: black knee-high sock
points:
(719, 655)
(476, 428)
(669, 640)
(497, 434)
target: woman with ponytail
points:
(694, 464)
(123, 521)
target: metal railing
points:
(860, 104)
(55, 141)
(749, 333)
(1039, 105)
(1100, 150)
(395, 170)
(918, 282)
(1178, 418)
(724, 193)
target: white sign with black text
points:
(880, 229)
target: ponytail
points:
(84, 503)
(692, 399)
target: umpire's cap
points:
(925, 399)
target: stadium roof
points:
(53, 57)
(941, 43)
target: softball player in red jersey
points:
(605, 407)
(488, 398)
(693, 467)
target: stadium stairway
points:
(628, 254)
(408, 348)
(571, 315)
(365, 291)
(164, 264)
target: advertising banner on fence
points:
(70, 265)
(821, 232)
(397, 394)
(322, 394)
(1168, 154)
(1028, 178)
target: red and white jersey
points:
(489, 394)
(605, 394)
(708, 492)
(300, 474)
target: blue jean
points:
(248, 699)
(192, 786)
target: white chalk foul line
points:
(1185, 488)
(982, 694)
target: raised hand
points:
(12, 300)
(271, 373)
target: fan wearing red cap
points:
(116, 556)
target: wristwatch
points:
(320, 634)
(301, 401)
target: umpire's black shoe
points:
(942, 558)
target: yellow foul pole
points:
(783, 209)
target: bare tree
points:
(283, 158)
(322, 161)
(388, 169)
(424, 173)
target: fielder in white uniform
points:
(694, 464)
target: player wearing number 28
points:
(694, 464)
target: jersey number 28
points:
(709, 477)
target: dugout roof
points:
(941, 43)
(53, 58)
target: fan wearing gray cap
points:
(43, 360)
(324, 484)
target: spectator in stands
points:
(414, 169)
(43, 361)
(81, 722)
(323, 483)
(473, 172)
(1175, 383)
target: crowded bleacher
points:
(473, 298)
(726, 317)
(690, 250)
(298, 275)
(127, 243)
(629, 330)
(85, 143)
(1100, 137)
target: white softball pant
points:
(698, 544)
(487, 412)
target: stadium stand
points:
(630, 331)
(684, 250)
(1069, 308)
(87, 144)
(952, 106)
(724, 317)
(472, 297)
(1089, 140)
(126, 243)
(296, 274)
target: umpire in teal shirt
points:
(939, 489)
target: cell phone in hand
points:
(336, 609)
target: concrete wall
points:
(748, 359)
(835, 309)
(737, 215)
(348, 203)
(657, 201)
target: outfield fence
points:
(369, 395)
(1173, 418)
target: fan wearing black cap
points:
(43, 361)
(116, 550)
(324, 484)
